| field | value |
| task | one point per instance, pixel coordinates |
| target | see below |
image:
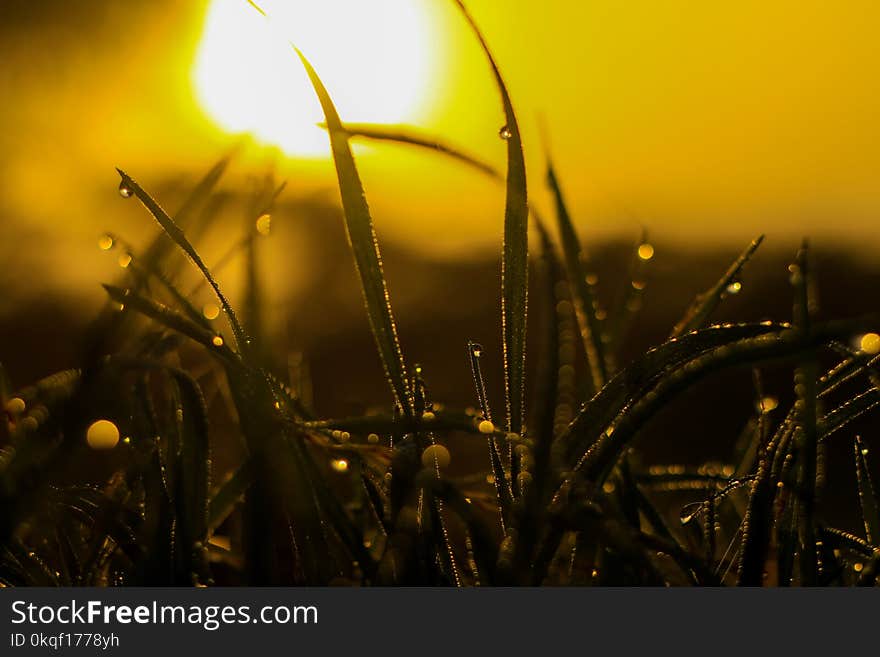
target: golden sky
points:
(704, 121)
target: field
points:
(187, 448)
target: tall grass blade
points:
(365, 247)
(514, 260)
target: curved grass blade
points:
(402, 135)
(365, 247)
(708, 301)
(867, 497)
(632, 382)
(514, 260)
(785, 344)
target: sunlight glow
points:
(375, 59)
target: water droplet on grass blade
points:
(869, 343)
(15, 406)
(645, 251)
(767, 404)
(734, 287)
(102, 434)
(264, 224)
(340, 465)
(436, 455)
(124, 190)
(106, 242)
(211, 311)
(505, 132)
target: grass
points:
(569, 500)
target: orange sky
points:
(706, 122)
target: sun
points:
(375, 57)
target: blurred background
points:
(703, 123)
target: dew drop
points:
(767, 404)
(734, 287)
(436, 454)
(124, 190)
(645, 251)
(217, 341)
(869, 343)
(15, 406)
(340, 465)
(102, 434)
(264, 224)
(486, 427)
(124, 260)
(505, 132)
(106, 242)
(373, 438)
(211, 311)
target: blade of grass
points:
(176, 234)
(708, 301)
(193, 480)
(514, 260)
(170, 318)
(807, 439)
(365, 247)
(867, 497)
(584, 299)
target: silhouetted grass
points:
(563, 497)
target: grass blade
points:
(176, 234)
(403, 135)
(867, 497)
(365, 247)
(582, 292)
(807, 439)
(708, 301)
(514, 259)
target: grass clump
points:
(569, 500)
